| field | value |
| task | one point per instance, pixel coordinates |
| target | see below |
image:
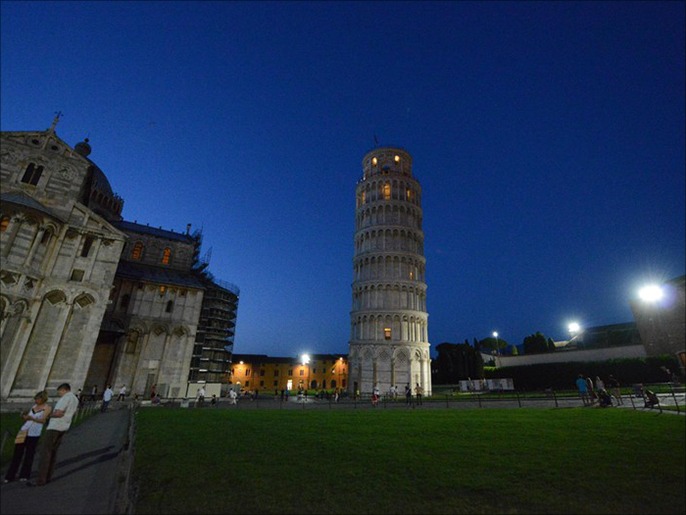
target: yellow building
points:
(312, 372)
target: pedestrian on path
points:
(418, 390)
(582, 386)
(408, 394)
(25, 444)
(106, 398)
(59, 424)
(122, 393)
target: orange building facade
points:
(251, 372)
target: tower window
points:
(166, 256)
(387, 191)
(125, 301)
(137, 251)
(170, 306)
(4, 223)
(397, 159)
(87, 244)
(32, 174)
(408, 194)
(46, 237)
(374, 161)
(387, 333)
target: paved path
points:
(88, 473)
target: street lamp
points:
(651, 293)
(574, 329)
(497, 348)
(305, 359)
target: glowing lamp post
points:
(305, 359)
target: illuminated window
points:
(32, 174)
(137, 251)
(302, 372)
(163, 289)
(397, 159)
(4, 223)
(364, 197)
(387, 333)
(374, 161)
(411, 275)
(387, 191)
(408, 194)
(166, 256)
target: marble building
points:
(389, 342)
(87, 297)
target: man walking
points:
(59, 424)
(122, 393)
(106, 398)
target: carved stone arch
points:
(181, 330)
(158, 329)
(84, 300)
(55, 297)
(368, 355)
(400, 355)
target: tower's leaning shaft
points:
(389, 342)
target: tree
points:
(492, 344)
(535, 344)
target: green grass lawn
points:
(416, 461)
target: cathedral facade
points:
(89, 298)
(389, 342)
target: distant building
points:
(250, 372)
(389, 340)
(662, 323)
(86, 297)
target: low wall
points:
(565, 356)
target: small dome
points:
(83, 148)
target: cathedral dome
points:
(83, 148)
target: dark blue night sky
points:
(548, 138)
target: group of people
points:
(597, 393)
(57, 421)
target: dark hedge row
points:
(561, 376)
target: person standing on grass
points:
(59, 424)
(106, 398)
(582, 385)
(33, 425)
(613, 385)
(408, 394)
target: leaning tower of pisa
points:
(389, 342)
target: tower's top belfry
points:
(385, 160)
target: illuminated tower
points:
(389, 342)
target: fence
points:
(671, 397)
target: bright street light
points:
(651, 293)
(305, 358)
(574, 327)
